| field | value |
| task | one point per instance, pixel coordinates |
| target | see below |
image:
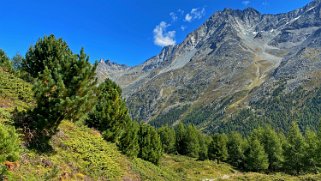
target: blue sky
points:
(125, 31)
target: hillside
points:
(231, 62)
(81, 153)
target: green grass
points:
(149, 171)
(190, 169)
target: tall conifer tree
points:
(256, 158)
(168, 138)
(294, 153)
(217, 150)
(235, 147)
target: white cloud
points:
(188, 17)
(173, 16)
(196, 13)
(183, 28)
(162, 37)
(246, 3)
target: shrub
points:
(9, 146)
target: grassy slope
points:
(80, 153)
(14, 93)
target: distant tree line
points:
(263, 150)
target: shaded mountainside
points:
(231, 62)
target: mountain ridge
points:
(233, 58)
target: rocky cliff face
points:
(234, 58)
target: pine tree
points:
(273, 148)
(204, 141)
(64, 86)
(68, 90)
(150, 144)
(168, 138)
(294, 153)
(318, 149)
(180, 139)
(311, 152)
(256, 158)
(110, 114)
(17, 62)
(192, 141)
(217, 149)
(235, 147)
(48, 52)
(128, 143)
(5, 62)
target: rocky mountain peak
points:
(235, 57)
(314, 3)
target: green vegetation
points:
(65, 101)
(273, 146)
(168, 138)
(9, 146)
(17, 62)
(217, 149)
(170, 117)
(236, 147)
(150, 144)
(278, 109)
(110, 115)
(295, 150)
(64, 86)
(14, 93)
(256, 159)
(79, 153)
(111, 118)
(5, 62)
(128, 143)
(188, 141)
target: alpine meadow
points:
(233, 94)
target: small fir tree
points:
(150, 144)
(128, 143)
